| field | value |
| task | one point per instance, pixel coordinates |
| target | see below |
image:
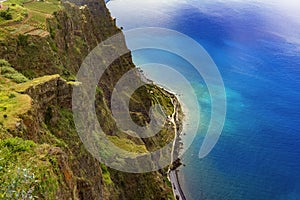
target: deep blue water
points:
(256, 47)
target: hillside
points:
(42, 46)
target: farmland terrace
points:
(26, 16)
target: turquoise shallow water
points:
(256, 46)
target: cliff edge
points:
(41, 154)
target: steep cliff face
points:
(35, 164)
(45, 117)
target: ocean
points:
(256, 47)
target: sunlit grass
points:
(47, 7)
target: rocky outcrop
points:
(46, 91)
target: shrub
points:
(8, 72)
(17, 144)
(22, 40)
(12, 96)
(4, 63)
(6, 15)
(16, 77)
(106, 175)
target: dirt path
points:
(30, 30)
(16, 23)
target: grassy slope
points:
(27, 171)
(12, 104)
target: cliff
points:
(41, 153)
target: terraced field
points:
(26, 16)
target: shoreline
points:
(178, 120)
(176, 187)
(172, 174)
(175, 164)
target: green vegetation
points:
(46, 7)
(37, 18)
(8, 72)
(159, 96)
(12, 13)
(6, 14)
(12, 105)
(127, 144)
(106, 175)
(21, 88)
(16, 2)
(144, 98)
(26, 171)
(26, 17)
(23, 40)
(57, 164)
